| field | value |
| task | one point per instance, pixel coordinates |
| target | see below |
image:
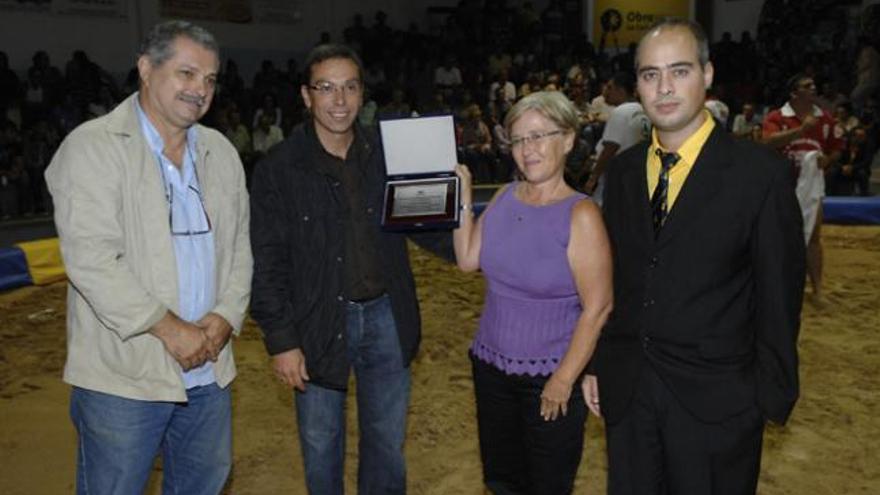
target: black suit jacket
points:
(713, 304)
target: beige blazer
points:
(112, 221)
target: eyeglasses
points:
(327, 88)
(170, 197)
(535, 137)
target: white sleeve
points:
(616, 127)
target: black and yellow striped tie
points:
(659, 206)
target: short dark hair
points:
(846, 106)
(328, 51)
(676, 22)
(794, 81)
(156, 45)
(626, 81)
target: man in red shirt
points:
(801, 129)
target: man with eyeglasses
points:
(152, 213)
(331, 291)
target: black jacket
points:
(298, 241)
(713, 304)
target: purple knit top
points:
(532, 304)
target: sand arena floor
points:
(830, 446)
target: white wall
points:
(109, 42)
(112, 42)
(735, 17)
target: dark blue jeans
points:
(119, 439)
(522, 454)
(383, 384)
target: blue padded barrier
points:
(844, 210)
(13, 269)
(851, 210)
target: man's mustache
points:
(198, 100)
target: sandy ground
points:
(830, 446)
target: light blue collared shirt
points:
(191, 234)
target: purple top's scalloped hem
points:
(513, 366)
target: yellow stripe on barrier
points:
(44, 260)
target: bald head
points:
(674, 23)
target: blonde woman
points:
(543, 249)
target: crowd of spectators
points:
(488, 56)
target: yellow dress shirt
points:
(689, 151)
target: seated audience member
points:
(502, 88)
(369, 110)
(476, 143)
(9, 150)
(746, 121)
(102, 104)
(270, 107)
(600, 109)
(719, 110)
(438, 105)
(266, 135)
(267, 80)
(463, 103)
(580, 96)
(499, 61)
(867, 68)
(447, 77)
(844, 120)
(8, 195)
(10, 140)
(852, 174)
(47, 76)
(14, 112)
(499, 106)
(501, 142)
(374, 76)
(38, 145)
(21, 180)
(577, 89)
(68, 115)
(757, 134)
(552, 83)
(230, 84)
(533, 82)
(36, 99)
(582, 69)
(397, 108)
(10, 86)
(830, 96)
(237, 132)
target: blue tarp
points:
(836, 209)
(844, 210)
(13, 269)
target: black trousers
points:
(522, 453)
(659, 448)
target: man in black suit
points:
(701, 348)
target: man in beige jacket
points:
(152, 213)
